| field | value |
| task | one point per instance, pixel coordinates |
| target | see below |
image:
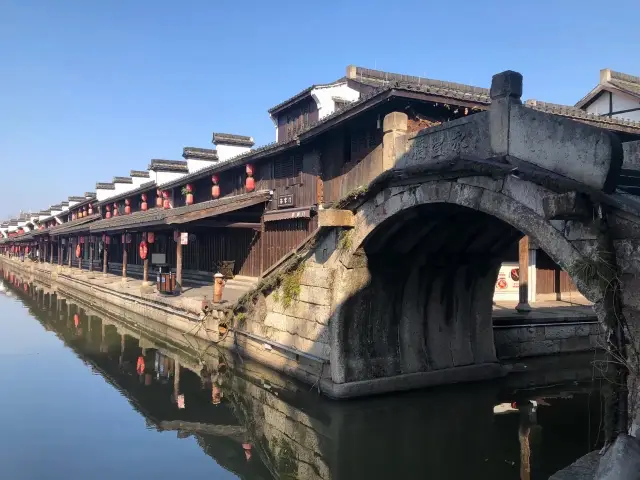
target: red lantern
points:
(108, 240)
(144, 250)
(214, 179)
(127, 207)
(158, 198)
(250, 184)
(90, 209)
(143, 205)
(115, 209)
(78, 251)
(249, 169)
(215, 191)
(151, 237)
(108, 214)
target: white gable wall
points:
(324, 97)
(620, 102)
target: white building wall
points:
(600, 106)
(137, 181)
(324, 97)
(165, 177)
(225, 152)
(195, 164)
(103, 194)
(122, 188)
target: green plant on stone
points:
(344, 240)
(290, 286)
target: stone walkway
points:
(545, 311)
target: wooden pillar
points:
(70, 250)
(124, 258)
(179, 265)
(80, 257)
(523, 280)
(91, 250)
(104, 257)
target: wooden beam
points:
(523, 280)
(222, 224)
(336, 218)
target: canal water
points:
(88, 396)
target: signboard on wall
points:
(286, 201)
(508, 285)
(184, 238)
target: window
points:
(288, 167)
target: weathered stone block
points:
(317, 277)
(577, 230)
(556, 332)
(332, 217)
(572, 149)
(395, 121)
(527, 193)
(465, 195)
(487, 183)
(567, 206)
(315, 295)
(631, 153)
(583, 330)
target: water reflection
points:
(259, 424)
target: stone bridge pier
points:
(408, 264)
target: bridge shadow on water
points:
(257, 423)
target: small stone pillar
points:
(394, 140)
(506, 90)
(523, 280)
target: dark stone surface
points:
(621, 461)
(567, 206)
(506, 84)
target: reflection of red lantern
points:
(76, 320)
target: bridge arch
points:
(415, 288)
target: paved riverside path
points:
(578, 310)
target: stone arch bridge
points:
(409, 263)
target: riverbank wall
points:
(292, 338)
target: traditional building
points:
(242, 210)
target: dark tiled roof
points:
(56, 208)
(77, 225)
(380, 78)
(291, 100)
(105, 186)
(139, 173)
(90, 194)
(64, 204)
(77, 199)
(231, 139)
(168, 165)
(150, 217)
(128, 180)
(200, 153)
(158, 216)
(610, 123)
(258, 196)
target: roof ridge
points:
(625, 77)
(578, 112)
(380, 75)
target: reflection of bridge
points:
(297, 433)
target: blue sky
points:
(93, 89)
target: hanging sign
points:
(286, 201)
(184, 238)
